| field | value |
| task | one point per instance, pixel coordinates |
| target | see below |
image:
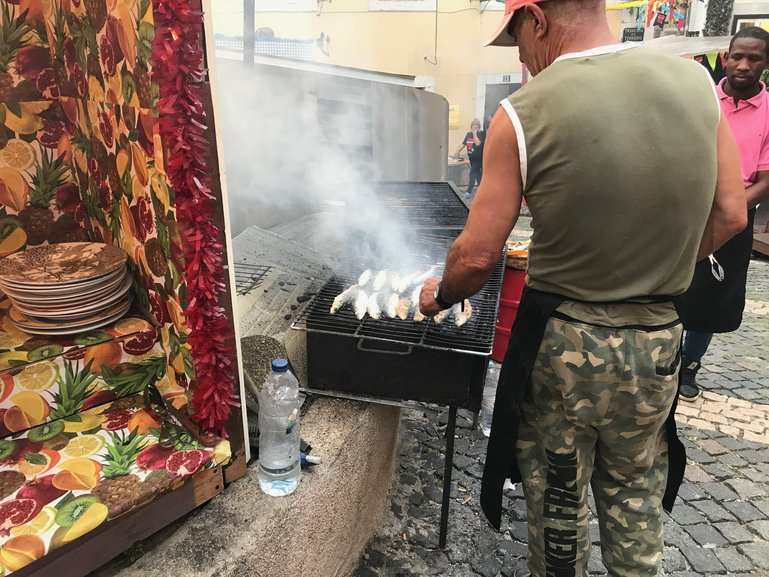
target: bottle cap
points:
(280, 365)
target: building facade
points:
(440, 42)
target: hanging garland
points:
(178, 57)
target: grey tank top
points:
(618, 159)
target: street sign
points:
(633, 35)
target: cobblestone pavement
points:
(720, 525)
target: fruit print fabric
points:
(58, 487)
(80, 150)
(43, 383)
(34, 177)
(94, 49)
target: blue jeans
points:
(695, 346)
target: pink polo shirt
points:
(749, 121)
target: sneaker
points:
(689, 389)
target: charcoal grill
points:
(403, 359)
(430, 207)
(400, 359)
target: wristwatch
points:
(437, 296)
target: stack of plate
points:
(67, 288)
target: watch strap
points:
(439, 299)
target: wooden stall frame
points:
(214, 84)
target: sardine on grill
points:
(361, 304)
(380, 280)
(402, 308)
(395, 282)
(391, 305)
(388, 296)
(364, 277)
(420, 279)
(441, 316)
(462, 314)
(345, 297)
(373, 308)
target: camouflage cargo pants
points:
(595, 415)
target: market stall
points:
(119, 379)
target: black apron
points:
(535, 309)
(712, 306)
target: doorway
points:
(495, 93)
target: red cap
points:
(501, 36)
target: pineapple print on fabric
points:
(34, 140)
(126, 201)
(57, 392)
(36, 181)
(85, 113)
(58, 486)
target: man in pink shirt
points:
(712, 305)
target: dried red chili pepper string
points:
(178, 56)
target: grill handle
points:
(408, 351)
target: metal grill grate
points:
(474, 337)
(249, 276)
(426, 205)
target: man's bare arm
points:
(758, 192)
(493, 215)
(728, 215)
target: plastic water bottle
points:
(489, 394)
(279, 466)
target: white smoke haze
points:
(285, 160)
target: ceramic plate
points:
(73, 331)
(72, 288)
(41, 322)
(61, 264)
(73, 309)
(59, 329)
(40, 294)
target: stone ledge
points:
(322, 529)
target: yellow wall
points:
(400, 42)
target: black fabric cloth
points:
(712, 306)
(535, 308)
(476, 173)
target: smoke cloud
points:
(289, 153)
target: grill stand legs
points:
(447, 469)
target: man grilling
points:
(589, 382)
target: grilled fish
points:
(404, 283)
(361, 304)
(415, 296)
(343, 298)
(391, 305)
(364, 277)
(415, 278)
(419, 280)
(402, 308)
(462, 316)
(380, 280)
(441, 316)
(395, 282)
(418, 316)
(373, 308)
